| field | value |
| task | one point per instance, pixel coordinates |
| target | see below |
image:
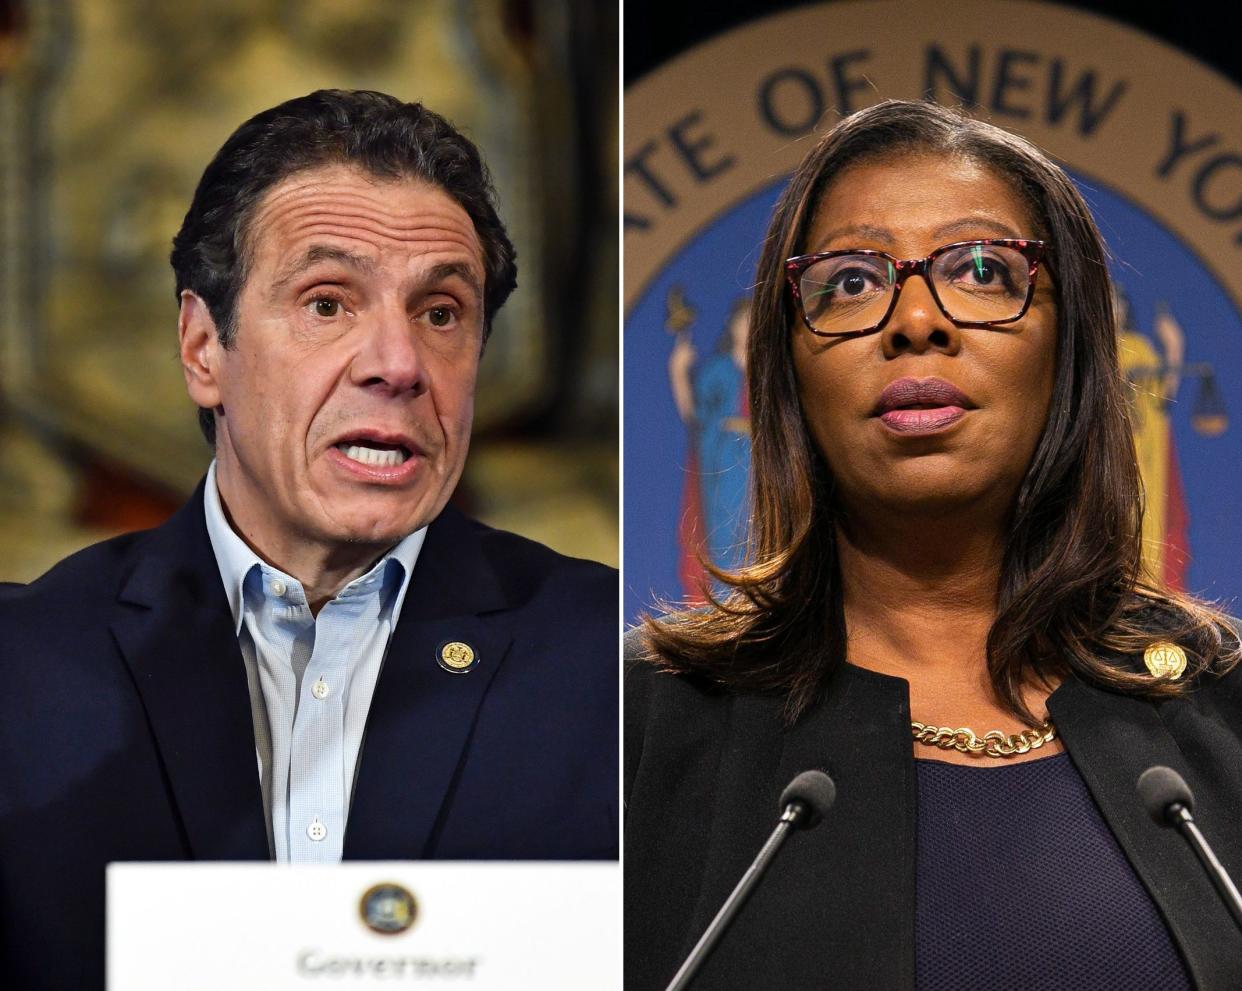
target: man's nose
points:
(391, 358)
(917, 323)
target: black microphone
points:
(803, 804)
(1169, 800)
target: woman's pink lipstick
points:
(921, 405)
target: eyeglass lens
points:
(974, 283)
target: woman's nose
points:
(917, 323)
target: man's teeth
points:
(376, 457)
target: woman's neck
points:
(919, 604)
(919, 596)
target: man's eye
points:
(440, 316)
(327, 307)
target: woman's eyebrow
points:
(870, 231)
(973, 225)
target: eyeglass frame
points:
(1030, 249)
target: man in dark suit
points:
(316, 658)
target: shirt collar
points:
(236, 560)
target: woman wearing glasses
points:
(943, 606)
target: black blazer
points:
(704, 771)
(126, 734)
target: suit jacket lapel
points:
(173, 628)
(1112, 739)
(422, 716)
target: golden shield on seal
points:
(456, 657)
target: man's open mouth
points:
(373, 453)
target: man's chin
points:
(377, 515)
(376, 533)
(381, 521)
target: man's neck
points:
(322, 570)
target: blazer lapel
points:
(174, 630)
(422, 716)
(837, 871)
(1112, 739)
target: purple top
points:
(1021, 884)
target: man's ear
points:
(200, 350)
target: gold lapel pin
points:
(456, 657)
(1165, 660)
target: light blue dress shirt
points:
(311, 680)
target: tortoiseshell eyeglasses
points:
(982, 283)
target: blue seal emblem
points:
(388, 908)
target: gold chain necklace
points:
(992, 744)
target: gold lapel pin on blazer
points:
(457, 657)
(1165, 660)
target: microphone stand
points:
(1179, 815)
(788, 821)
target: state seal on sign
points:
(388, 908)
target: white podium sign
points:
(473, 925)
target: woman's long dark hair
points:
(1073, 596)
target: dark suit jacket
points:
(126, 734)
(704, 771)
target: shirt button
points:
(316, 830)
(320, 689)
(278, 587)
